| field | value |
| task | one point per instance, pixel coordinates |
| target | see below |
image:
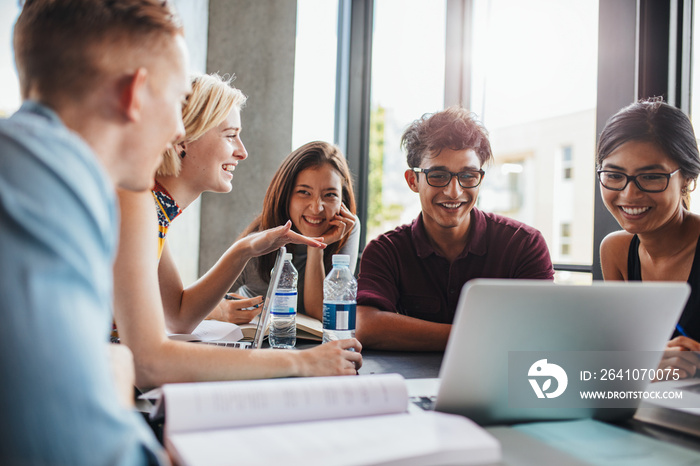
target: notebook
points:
(511, 341)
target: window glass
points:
(315, 71)
(408, 80)
(9, 86)
(695, 95)
(534, 84)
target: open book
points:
(308, 328)
(681, 412)
(315, 421)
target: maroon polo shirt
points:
(401, 272)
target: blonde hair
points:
(210, 102)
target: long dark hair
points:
(275, 210)
(656, 122)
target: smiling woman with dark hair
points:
(648, 163)
(312, 188)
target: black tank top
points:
(690, 319)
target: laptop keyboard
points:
(426, 403)
(229, 344)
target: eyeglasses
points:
(647, 182)
(438, 178)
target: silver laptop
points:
(511, 341)
(264, 316)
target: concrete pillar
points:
(255, 40)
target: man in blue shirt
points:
(102, 84)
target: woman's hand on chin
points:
(341, 225)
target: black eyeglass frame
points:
(634, 179)
(427, 171)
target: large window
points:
(408, 80)
(534, 87)
(533, 83)
(315, 71)
(695, 94)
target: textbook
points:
(308, 328)
(357, 420)
(681, 413)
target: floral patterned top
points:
(167, 211)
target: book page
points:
(250, 328)
(423, 439)
(309, 325)
(215, 405)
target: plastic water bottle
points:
(283, 327)
(339, 301)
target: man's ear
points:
(411, 179)
(132, 94)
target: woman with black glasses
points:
(648, 163)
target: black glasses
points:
(439, 178)
(647, 182)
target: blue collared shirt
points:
(58, 237)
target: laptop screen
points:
(264, 317)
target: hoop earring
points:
(182, 154)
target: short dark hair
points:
(57, 43)
(454, 128)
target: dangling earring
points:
(182, 154)
(684, 190)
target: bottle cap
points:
(288, 256)
(341, 259)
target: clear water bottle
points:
(283, 312)
(339, 301)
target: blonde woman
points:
(148, 290)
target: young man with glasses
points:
(410, 278)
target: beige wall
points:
(255, 40)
